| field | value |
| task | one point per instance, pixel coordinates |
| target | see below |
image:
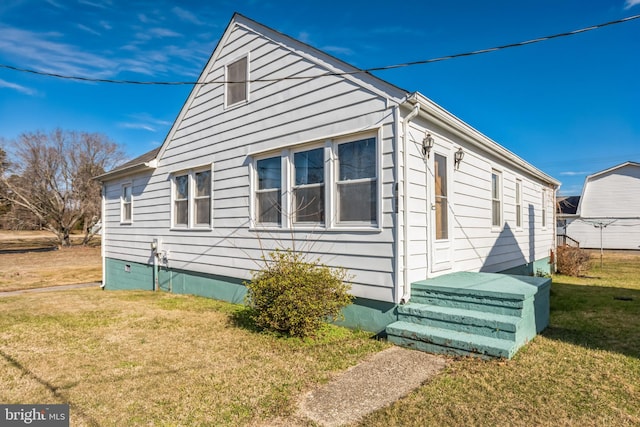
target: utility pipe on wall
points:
(406, 294)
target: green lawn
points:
(143, 358)
(583, 370)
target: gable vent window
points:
(237, 85)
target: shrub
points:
(572, 261)
(294, 296)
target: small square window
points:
(357, 183)
(237, 84)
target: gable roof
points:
(334, 66)
(142, 162)
(611, 169)
(596, 175)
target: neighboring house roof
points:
(145, 161)
(427, 108)
(611, 169)
(568, 205)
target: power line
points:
(368, 70)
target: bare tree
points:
(52, 175)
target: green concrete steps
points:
(472, 314)
(446, 341)
(469, 321)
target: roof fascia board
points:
(433, 111)
(140, 167)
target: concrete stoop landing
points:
(473, 314)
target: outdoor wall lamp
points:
(457, 158)
(427, 144)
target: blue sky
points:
(569, 106)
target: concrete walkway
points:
(370, 385)
(49, 289)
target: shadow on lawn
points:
(605, 318)
(56, 392)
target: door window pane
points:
(496, 200)
(441, 197)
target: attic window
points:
(237, 85)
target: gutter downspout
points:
(103, 235)
(406, 294)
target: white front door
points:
(441, 219)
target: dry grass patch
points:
(584, 370)
(76, 264)
(133, 358)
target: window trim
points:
(543, 209)
(292, 187)
(254, 190)
(247, 90)
(191, 199)
(518, 203)
(336, 181)
(331, 171)
(123, 220)
(500, 199)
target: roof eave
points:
(119, 173)
(471, 135)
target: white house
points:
(608, 211)
(282, 145)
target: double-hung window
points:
(518, 203)
(357, 182)
(181, 201)
(268, 191)
(496, 199)
(192, 199)
(544, 208)
(308, 186)
(126, 204)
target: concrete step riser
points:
(485, 306)
(462, 326)
(450, 348)
(432, 348)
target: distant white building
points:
(608, 209)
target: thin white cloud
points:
(141, 126)
(87, 29)
(304, 37)
(338, 50)
(144, 121)
(105, 25)
(572, 173)
(19, 88)
(630, 3)
(186, 16)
